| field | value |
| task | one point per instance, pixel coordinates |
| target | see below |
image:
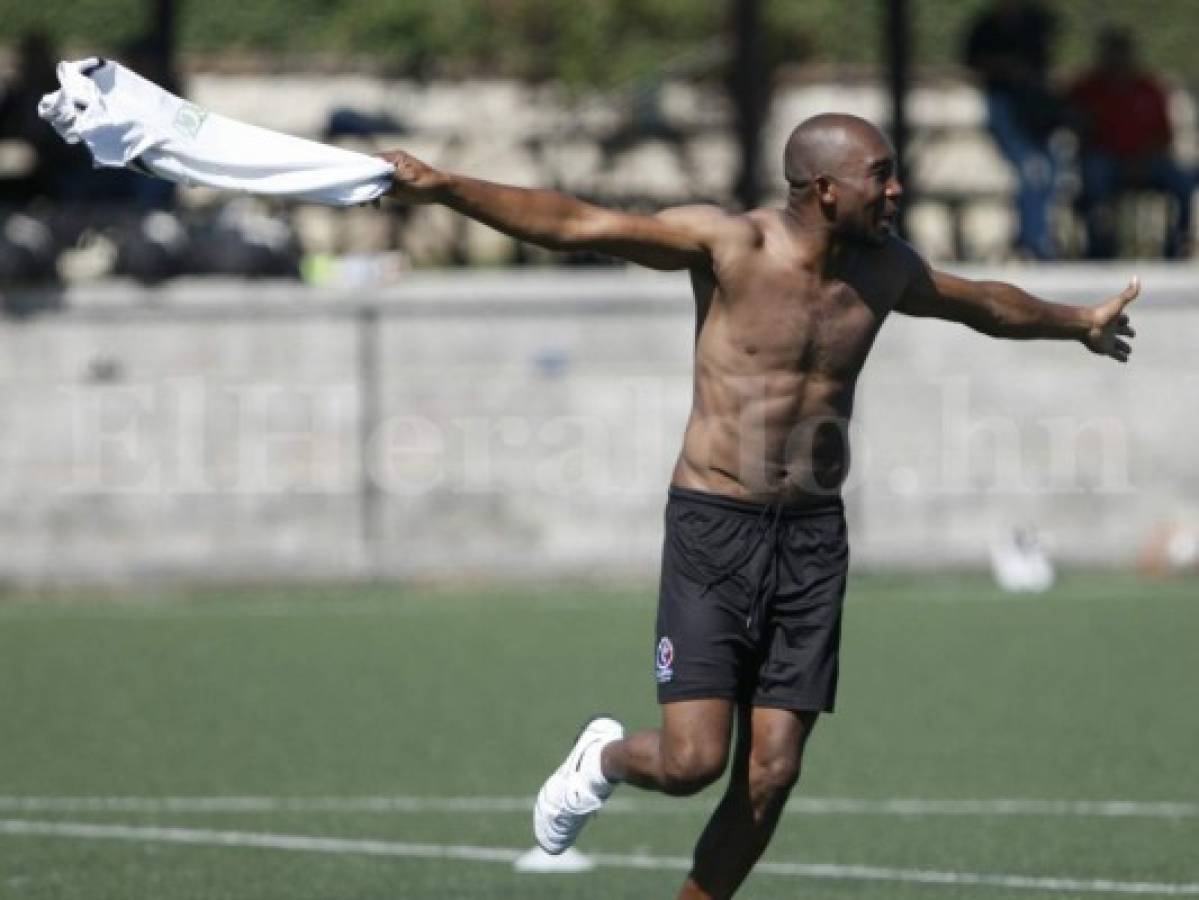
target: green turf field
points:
(400, 725)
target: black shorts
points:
(749, 607)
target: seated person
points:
(1126, 138)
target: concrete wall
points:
(527, 423)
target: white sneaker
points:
(568, 799)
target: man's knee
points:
(771, 778)
(688, 768)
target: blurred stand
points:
(703, 126)
(239, 239)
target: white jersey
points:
(125, 120)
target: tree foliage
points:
(582, 42)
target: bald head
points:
(825, 144)
(843, 176)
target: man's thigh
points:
(780, 733)
(1163, 173)
(702, 726)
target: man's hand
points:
(1109, 325)
(413, 181)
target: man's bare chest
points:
(826, 330)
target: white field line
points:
(167, 609)
(333, 845)
(412, 804)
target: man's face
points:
(868, 191)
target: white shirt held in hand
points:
(125, 120)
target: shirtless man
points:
(753, 573)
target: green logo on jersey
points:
(190, 119)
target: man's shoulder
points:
(904, 266)
(709, 214)
(898, 252)
(715, 224)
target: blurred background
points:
(206, 385)
(333, 523)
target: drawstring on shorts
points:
(765, 532)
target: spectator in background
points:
(1126, 138)
(1009, 47)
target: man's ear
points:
(826, 190)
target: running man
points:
(788, 304)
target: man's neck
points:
(823, 251)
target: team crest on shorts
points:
(664, 661)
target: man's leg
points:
(1100, 188)
(682, 757)
(1036, 174)
(1164, 174)
(766, 765)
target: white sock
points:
(591, 767)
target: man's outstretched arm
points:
(674, 239)
(1004, 310)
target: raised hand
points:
(1109, 325)
(413, 180)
